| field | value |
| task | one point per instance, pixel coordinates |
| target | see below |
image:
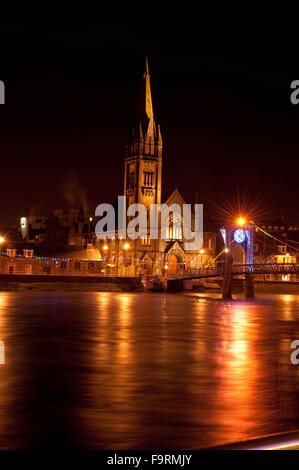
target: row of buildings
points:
(66, 238)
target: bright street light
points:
(241, 221)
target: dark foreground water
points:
(135, 371)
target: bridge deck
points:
(236, 269)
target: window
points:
(91, 267)
(148, 178)
(11, 252)
(11, 269)
(282, 249)
(210, 244)
(63, 265)
(28, 253)
(146, 241)
(77, 265)
(131, 169)
(28, 268)
(174, 231)
(131, 181)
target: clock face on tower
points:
(239, 235)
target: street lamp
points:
(241, 221)
(2, 239)
(125, 257)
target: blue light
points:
(239, 235)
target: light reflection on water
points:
(122, 370)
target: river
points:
(142, 371)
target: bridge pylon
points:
(238, 242)
(249, 286)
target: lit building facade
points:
(143, 185)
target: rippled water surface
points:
(138, 371)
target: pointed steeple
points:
(143, 162)
(145, 137)
(145, 113)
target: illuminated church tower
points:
(125, 256)
(143, 163)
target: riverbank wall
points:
(17, 282)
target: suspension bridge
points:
(236, 270)
(227, 272)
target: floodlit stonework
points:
(143, 185)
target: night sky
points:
(221, 92)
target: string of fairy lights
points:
(47, 258)
(126, 258)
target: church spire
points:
(143, 163)
(145, 137)
(145, 113)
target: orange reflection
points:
(286, 378)
(288, 313)
(4, 300)
(115, 336)
(238, 366)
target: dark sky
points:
(221, 92)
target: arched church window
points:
(148, 178)
(174, 231)
(131, 179)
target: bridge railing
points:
(271, 268)
(194, 273)
(237, 269)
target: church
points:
(143, 185)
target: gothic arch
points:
(175, 261)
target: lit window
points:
(174, 231)
(148, 178)
(146, 241)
